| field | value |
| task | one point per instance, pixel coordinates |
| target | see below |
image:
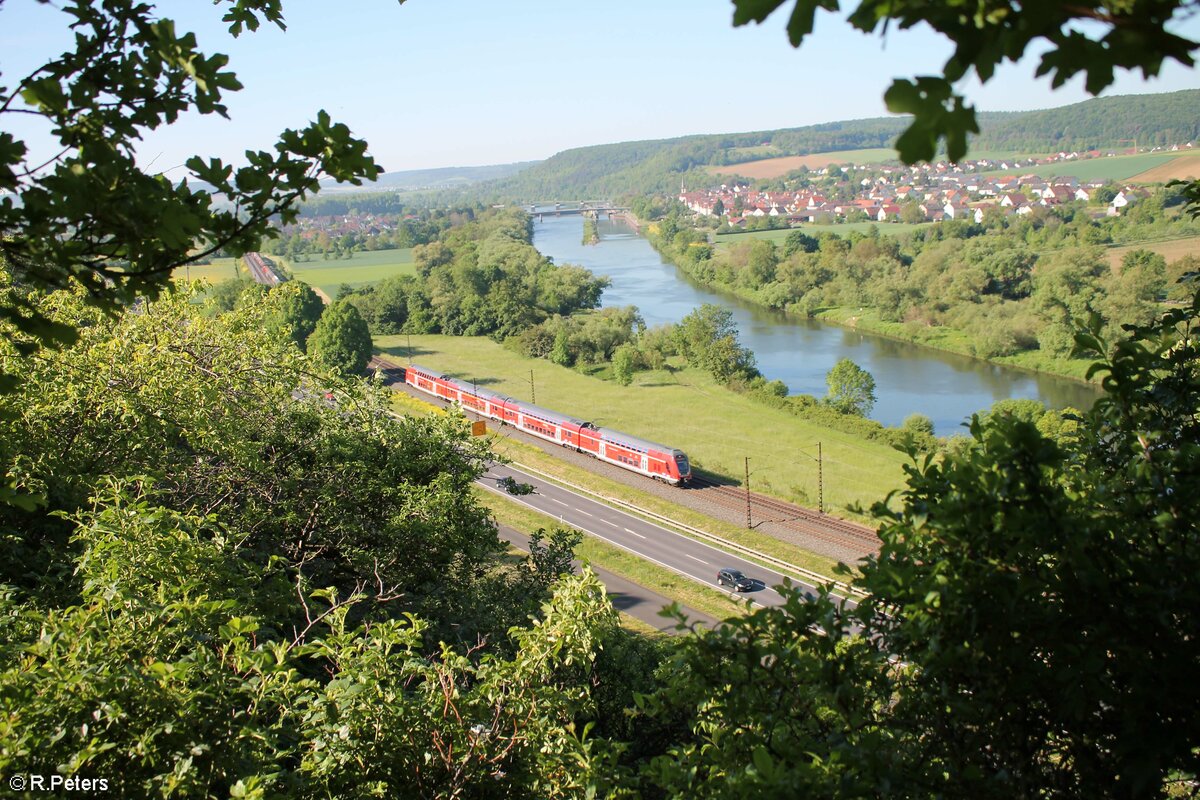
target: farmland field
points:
(362, 269)
(1180, 168)
(1104, 168)
(1171, 250)
(775, 167)
(685, 409)
(221, 269)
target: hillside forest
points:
(659, 166)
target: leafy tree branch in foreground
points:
(90, 214)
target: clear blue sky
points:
(435, 83)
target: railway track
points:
(774, 517)
(260, 270)
(771, 511)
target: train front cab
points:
(681, 470)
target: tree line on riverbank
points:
(1003, 287)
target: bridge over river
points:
(566, 208)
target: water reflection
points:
(946, 387)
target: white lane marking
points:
(609, 522)
(554, 500)
(749, 601)
(635, 533)
(585, 513)
(701, 560)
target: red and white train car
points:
(637, 455)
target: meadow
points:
(221, 269)
(361, 269)
(682, 408)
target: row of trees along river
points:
(946, 387)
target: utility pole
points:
(532, 390)
(820, 482)
(409, 335)
(749, 523)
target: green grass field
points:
(221, 269)
(684, 409)
(362, 269)
(1105, 168)
(778, 236)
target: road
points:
(625, 595)
(674, 551)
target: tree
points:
(93, 217)
(299, 311)
(708, 338)
(341, 340)
(918, 424)
(624, 362)
(1094, 37)
(851, 388)
(560, 351)
(800, 242)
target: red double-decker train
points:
(637, 455)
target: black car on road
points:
(735, 579)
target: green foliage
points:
(991, 292)
(230, 294)
(92, 217)
(592, 337)
(624, 362)
(222, 416)
(480, 278)
(341, 341)
(1012, 642)
(162, 683)
(918, 424)
(851, 388)
(708, 338)
(299, 312)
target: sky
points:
(440, 83)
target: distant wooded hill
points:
(648, 167)
(439, 178)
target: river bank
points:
(944, 386)
(866, 319)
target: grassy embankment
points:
(521, 452)
(685, 409)
(621, 562)
(221, 269)
(952, 341)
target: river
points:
(947, 388)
